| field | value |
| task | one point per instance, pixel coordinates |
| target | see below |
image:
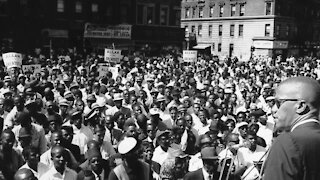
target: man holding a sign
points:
(13, 62)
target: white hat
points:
(126, 145)
(154, 111)
(117, 97)
(6, 91)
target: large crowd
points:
(153, 118)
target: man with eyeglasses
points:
(295, 153)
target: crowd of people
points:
(156, 118)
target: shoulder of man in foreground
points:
(283, 162)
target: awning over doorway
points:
(201, 46)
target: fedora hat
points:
(209, 153)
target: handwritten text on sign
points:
(34, 68)
(12, 59)
(112, 55)
(189, 56)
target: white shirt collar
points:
(206, 174)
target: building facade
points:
(61, 23)
(243, 28)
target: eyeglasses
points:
(279, 102)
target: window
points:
(231, 47)
(210, 30)
(233, 9)
(201, 12)
(220, 30)
(240, 30)
(219, 47)
(211, 11)
(186, 29)
(200, 30)
(288, 30)
(193, 12)
(232, 30)
(150, 15)
(60, 6)
(94, 8)
(164, 15)
(221, 11)
(268, 8)
(140, 10)
(278, 30)
(187, 15)
(78, 8)
(242, 10)
(193, 29)
(267, 30)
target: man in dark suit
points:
(210, 165)
(295, 153)
(98, 166)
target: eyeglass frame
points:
(279, 102)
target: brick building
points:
(245, 27)
(26, 24)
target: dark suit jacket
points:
(198, 175)
(85, 166)
(295, 155)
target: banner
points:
(112, 55)
(190, 56)
(12, 59)
(122, 31)
(34, 68)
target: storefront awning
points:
(201, 46)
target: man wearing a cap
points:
(210, 165)
(132, 168)
(22, 82)
(117, 99)
(82, 133)
(96, 164)
(37, 131)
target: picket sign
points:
(112, 55)
(12, 59)
(34, 68)
(190, 56)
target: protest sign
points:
(103, 69)
(12, 59)
(112, 55)
(190, 56)
(34, 68)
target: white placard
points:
(34, 68)
(102, 69)
(112, 55)
(190, 56)
(12, 59)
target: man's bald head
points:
(24, 174)
(297, 99)
(302, 88)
